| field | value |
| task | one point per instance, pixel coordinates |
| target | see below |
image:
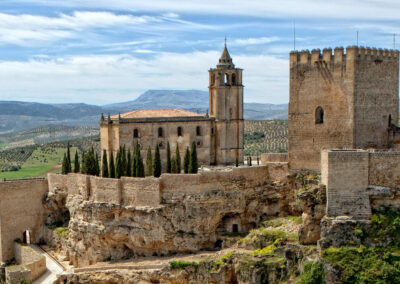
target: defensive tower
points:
(343, 100)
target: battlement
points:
(341, 55)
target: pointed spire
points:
(225, 60)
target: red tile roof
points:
(157, 113)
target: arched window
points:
(160, 132)
(233, 79)
(179, 131)
(198, 131)
(212, 79)
(212, 131)
(390, 120)
(135, 133)
(319, 115)
(226, 78)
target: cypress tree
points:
(249, 161)
(135, 160)
(104, 168)
(64, 168)
(149, 162)
(96, 165)
(83, 168)
(123, 161)
(139, 163)
(111, 174)
(157, 163)
(168, 158)
(118, 168)
(237, 162)
(178, 160)
(129, 164)
(173, 166)
(193, 165)
(76, 163)
(258, 161)
(69, 166)
(186, 161)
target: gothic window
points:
(179, 131)
(212, 131)
(233, 79)
(198, 132)
(226, 79)
(212, 79)
(135, 133)
(319, 115)
(160, 132)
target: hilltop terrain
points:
(15, 116)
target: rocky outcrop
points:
(186, 220)
(313, 203)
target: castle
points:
(340, 104)
(342, 101)
(219, 135)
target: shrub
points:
(182, 264)
(62, 231)
(313, 273)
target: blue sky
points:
(103, 51)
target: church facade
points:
(219, 135)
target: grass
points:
(182, 264)
(40, 161)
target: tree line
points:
(131, 164)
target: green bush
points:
(313, 273)
(365, 265)
(62, 231)
(182, 264)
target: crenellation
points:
(327, 54)
(305, 57)
(315, 55)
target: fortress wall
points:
(140, 191)
(21, 209)
(105, 190)
(345, 174)
(384, 169)
(28, 257)
(274, 158)
(151, 191)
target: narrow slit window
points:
(319, 115)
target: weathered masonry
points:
(344, 100)
(218, 135)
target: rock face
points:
(313, 203)
(186, 220)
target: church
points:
(219, 135)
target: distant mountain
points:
(15, 116)
(153, 99)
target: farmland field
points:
(261, 136)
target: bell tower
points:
(226, 106)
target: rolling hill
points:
(15, 116)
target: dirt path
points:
(49, 171)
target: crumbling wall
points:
(21, 209)
(384, 169)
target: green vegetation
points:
(186, 161)
(112, 166)
(193, 165)
(149, 162)
(62, 231)
(157, 163)
(178, 160)
(265, 136)
(313, 273)
(168, 165)
(182, 264)
(104, 168)
(365, 265)
(385, 226)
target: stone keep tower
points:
(226, 106)
(344, 100)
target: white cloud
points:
(112, 78)
(254, 41)
(340, 9)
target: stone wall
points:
(151, 191)
(345, 174)
(384, 169)
(21, 209)
(274, 158)
(357, 180)
(28, 257)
